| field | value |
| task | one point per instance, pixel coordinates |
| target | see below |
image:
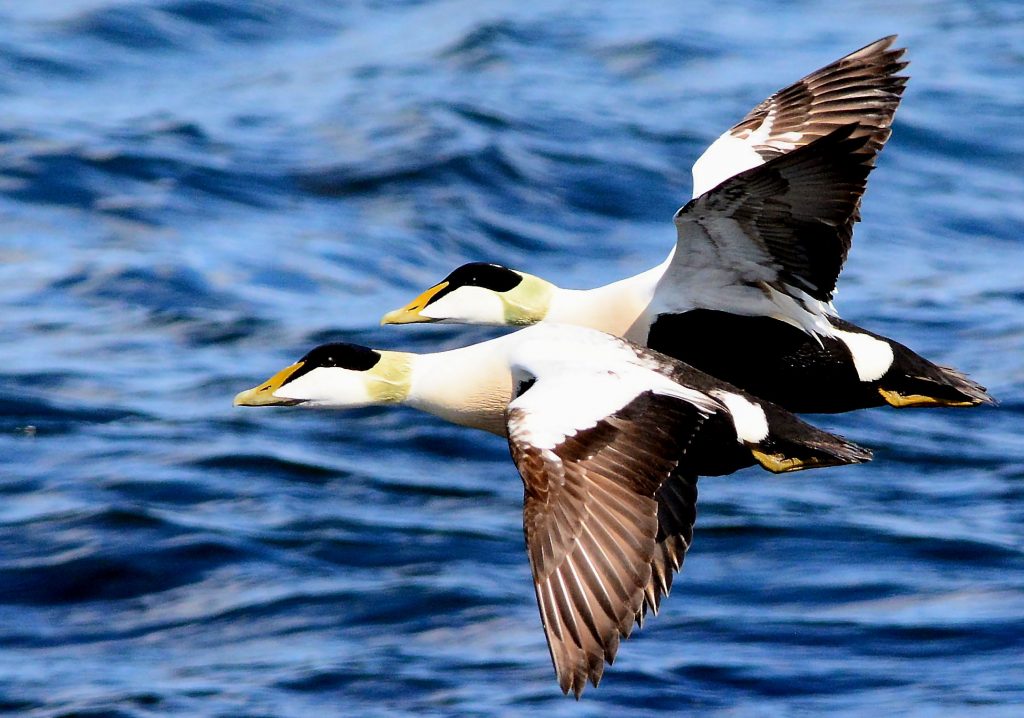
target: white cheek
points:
(325, 386)
(468, 304)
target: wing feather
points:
(677, 513)
(862, 87)
(787, 224)
(591, 518)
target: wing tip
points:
(574, 680)
(878, 47)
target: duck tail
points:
(793, 445)
(913, 381)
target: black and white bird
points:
(746, 293)
(608, 437)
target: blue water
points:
(195, 192)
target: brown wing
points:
(861, 88)
(677, 512)
(591, 524)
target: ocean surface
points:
(193, 193)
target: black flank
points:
(768, 358)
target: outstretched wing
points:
(591, 471)
(785, 224)
(861, 88)
(677, 512)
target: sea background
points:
(195, 192)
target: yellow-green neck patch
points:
(389, 382)
(527, 303)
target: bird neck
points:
(470, 386)
(618, 308)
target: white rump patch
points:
(748, 418)
(871, 357)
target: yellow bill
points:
(263, 394)
(410, 313)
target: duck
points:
(746, 293)
(608, 437)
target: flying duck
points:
(608, 437)
(746, 293)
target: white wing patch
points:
(573, 394)
(564, 403)
(871, 357)
(748, 418)
(727, 156)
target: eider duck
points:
(746, 294)
(608, 437)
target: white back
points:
(582, 376)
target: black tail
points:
(912, 380)
(915, 381)
(792, 445)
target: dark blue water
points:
(194, 192)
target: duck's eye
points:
(479, 274)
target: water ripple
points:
(195, 192)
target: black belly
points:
(768, 358)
